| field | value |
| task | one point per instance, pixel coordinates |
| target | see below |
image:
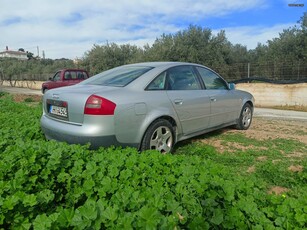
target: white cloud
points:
(251, 36)
(69, 28)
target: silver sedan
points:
(146, 105)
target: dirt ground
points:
(271, 128)
(265, 129)
(268, 129)
(24, 97)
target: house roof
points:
(13, 52)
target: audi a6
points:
(149, 105)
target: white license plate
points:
(60, 111)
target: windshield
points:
(118, 77)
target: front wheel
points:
(245, 118)
(159, 136)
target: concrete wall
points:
(265, 94)
(276, 95)
(24, 84)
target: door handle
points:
(213, 99)
(178, 101)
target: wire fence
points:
(270, 72)
(279, 71)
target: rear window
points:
(81, 75)
(118, 77)
(74, 75)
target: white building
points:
(14, 54)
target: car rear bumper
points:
(94, 133)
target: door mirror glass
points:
(232, 86)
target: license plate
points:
(57, 110)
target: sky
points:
(70, 28)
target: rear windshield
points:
(118, 77)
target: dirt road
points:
(17, 90)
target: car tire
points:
(245, 118)
(159, 136)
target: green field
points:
(222, 180)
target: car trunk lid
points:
(67, 103)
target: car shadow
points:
(201, 137)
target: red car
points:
(65, 77)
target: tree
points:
(107, 56)
(30, 55)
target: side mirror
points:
(232, 86)
(50, 78)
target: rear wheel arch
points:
(168, 119)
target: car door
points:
(224, 103)
(191, 103)
(55, 81)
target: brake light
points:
(96, 105)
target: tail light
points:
(96, 105)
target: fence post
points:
(298, 70)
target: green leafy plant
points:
(29, 99)
(53, 185)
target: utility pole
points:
(37, 51)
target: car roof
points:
(160, 64)
(72, 69)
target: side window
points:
(67, 76)
(56, 77)
(158, 83)
(85, 75)
(211, 80)
(73, 75)
(80, 75)
(182, 78)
